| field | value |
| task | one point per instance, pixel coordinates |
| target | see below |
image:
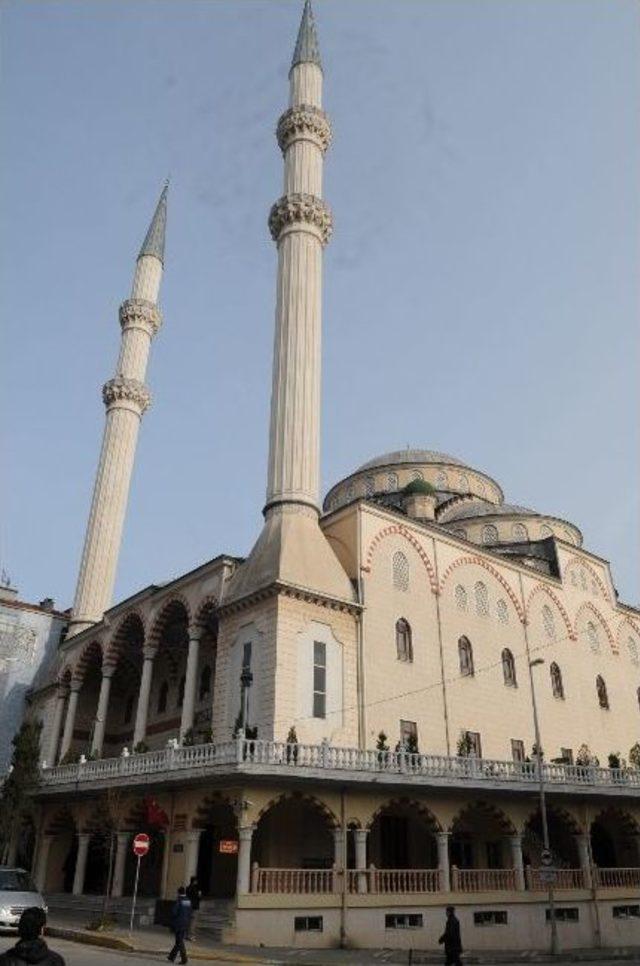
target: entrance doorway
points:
(217, 870)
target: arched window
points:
(351, 491)
(461, 597)
(128, 709)
(392, 482)
(601, 689)
(181, 692)
(557, 687)
(489, 534)
(509, 669)
(574, 578)
(463, 482)
(583, 580)
(592, 637)
(404, 647)
(633, 651)
(205, 683)
(465, 656)
(520, 532)
(545, 531)
(441, 480)
(417, 475)
(163, 694)
(482, 599)
(369, 486)
(502, 611)
(548, 622)
(400, 566)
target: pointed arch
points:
(92, 653)
(206, 608)
(302, 799)
(576, 561)
(428, 816)
(480, 562)
(622, 819)
(398, 529)
(176, 608)
(627, 629)
(541, 589)
(588, 606)
(131, 628)
(488, 812)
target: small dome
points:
(419, 486)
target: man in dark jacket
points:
(451, 939)
(194, 896)
(180, 919)
(31, 947)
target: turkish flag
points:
(156, 816)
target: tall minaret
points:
(126, 398)
(291, 547)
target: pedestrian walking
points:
(451, 939)
(180, 919)
(194, 896)
(31, 947)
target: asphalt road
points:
(76, 954)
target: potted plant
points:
(382, 748)
(292, 741)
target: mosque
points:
(352, 727)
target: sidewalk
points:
(156, 940)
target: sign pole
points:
(135, 895)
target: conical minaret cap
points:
(153, 243)
(307, 50)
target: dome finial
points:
(153, 243)
(307, 50)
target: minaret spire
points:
(126, 398)
(292, 548)
(307, 49)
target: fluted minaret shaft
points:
(126, 398)
(300, 223)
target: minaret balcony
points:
(140, 314)
(298, 210)
(304, 123)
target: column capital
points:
(514, 838)
(195, 631)
(108, 670)
(443, 836)
(245, 832)
(123, 837)
(149, 652)
(298, 209)
(84, 837)
(193, 835)
(361, 833)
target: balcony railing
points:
(483, 880)
(617, 878)
(564, 879)
(256, 755)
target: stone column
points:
(191, 682)
(245, 835)
(338, 848)
(117, 885)
(442, 839)
(361, 835)
(582, 843)
(515, 844)
(69, 723)
(56, 728)
(42, 860)
(101, 713)
(191, 854)
(142, 710)
(81, 863)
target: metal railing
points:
(256, 753)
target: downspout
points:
(360, 683)
(441, 647)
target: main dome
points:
(410, 456)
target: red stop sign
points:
(141, 843)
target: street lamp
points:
(543, 802)
(246, 680)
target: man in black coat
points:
(194, 896)
(31, 947)
(180, 919)
(451, 939)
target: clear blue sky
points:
(481, 288)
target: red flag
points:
(156, 816)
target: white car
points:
(17, 893)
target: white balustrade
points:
(294, 881)
(564, 879)
(404, 880)
(618, 878)
(484, 880)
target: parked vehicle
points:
(17, 893)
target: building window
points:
(404, 647)
(592, 637)
(461, 597)
(574, 579)
(409, 735)
(489, 534)
(473, 743)
(463, 483)
(601, 689)
(490, 917)
(563, 914)
(509, 669)
(128, 709)
(163, 695)
(545, 531)
(502, 611)
(465, 657)
(633, 651)
(520, 533)
(392, 482)
(567, 755)
(307, 924)
(369, 486)
(181, 691)
(626, 912)
(205, 683)
(517, 749)
(403, 920)
(548, 623)
(417, 475)
(319, 679)
(557, 686)
(400, 567)
(583, 580)
(441, 481)
(482, 599)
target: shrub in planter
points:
(634, 755)
(292, 739)
(141, 748)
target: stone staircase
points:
(217, 917)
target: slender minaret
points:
(291, 547)
(126, 398)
